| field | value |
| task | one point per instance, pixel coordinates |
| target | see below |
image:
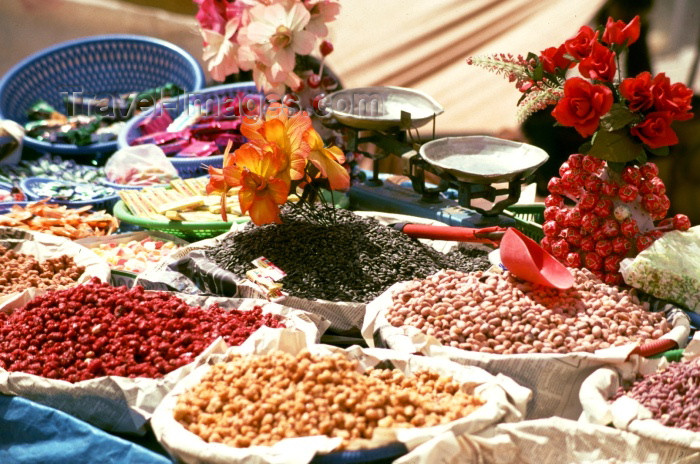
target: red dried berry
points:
(651, 203)
(551, 228)
(603, 208)
(575, 161)
(609, 189)
(573, 259)
(612, 263)
(629, 228)
(681, 222)
(573, 218)
(632, 175)
(588, 244)
(612, 278)
(628, 193)
(564, 168)
(643, 242)
(588, 201)
(591, 164)
(611, 228)
(550, 213)
(555, 186)
(593, 184)
(604, 248)
(593, 261)
(621, 245)
(560, 248)
(649, 170)
(554, 200)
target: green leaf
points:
(538, 72)
(615, 146)
(532, 56)
(585, 148)
(661, 151)
(618, 117)
(642, 158)
(617, 167)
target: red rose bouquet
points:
(608, 202)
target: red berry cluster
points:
(94, 330)
(612, 214)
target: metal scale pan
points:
(483, 160)
(379, 108)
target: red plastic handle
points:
(654, 347)
(452, 233)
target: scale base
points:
(392, 198)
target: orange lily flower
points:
(285, 131)
(329, 162)
(257, 169)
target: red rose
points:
(656, 130)
(682, 96)
(637, 90)
(553, 58)
(676, 98)
(619, 33)
(582, 105)
(580, 46)
(599, 64)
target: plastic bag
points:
(140, 165)
(11, 135)
(669, 269)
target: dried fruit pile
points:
(93, 330)
(259, 400)
(613, 215)
(19, 271)
(671, 395)
(497, 313)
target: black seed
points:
(349, 259)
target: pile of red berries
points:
(595, 217)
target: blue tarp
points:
(34, 434)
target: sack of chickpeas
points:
(32, 263)
(652, 398)
(108, 355)
(277, 398)
(546, 339)
(333, 264)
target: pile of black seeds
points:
(475, 259)
(337, 256)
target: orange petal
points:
(278, 190)
(264, 211)
(246, 196)
(232, 176)
(338, 177)
(216, 181)
(274, 131)
(252, 128)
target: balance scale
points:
(468, 168)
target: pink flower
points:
(214, 14)
(262, 75)
(276, 34)
(220, 51)
(322, 12)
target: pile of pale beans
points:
(259, 400)
(499, 313)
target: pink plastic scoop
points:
(529, 261)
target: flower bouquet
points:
(267, 37)
(608, 202)
(284, 155)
